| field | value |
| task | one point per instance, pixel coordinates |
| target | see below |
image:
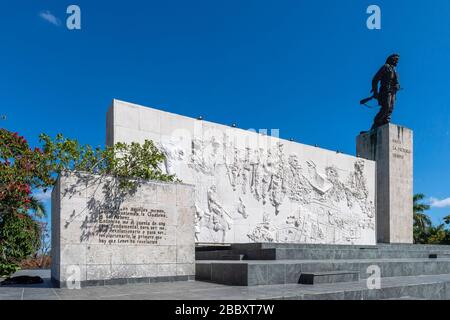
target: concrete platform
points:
(320, 252)
(407, 272)
(410, 288)
(269, 264)
(266, 272)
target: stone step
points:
(319, 254)
(431, 287)
(311, 254)
(232, 256)
(439, 255)
(328, 277)
(415, 247)
(405, 298)
(210, 247)
(212, 255)
(251, 273)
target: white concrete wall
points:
(101, 234)
(255, 188)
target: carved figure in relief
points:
(369, 209)
(271, 177)
(356, 190)
(233, 168)
(276, 193)
(277, 186)
(357, 181)
(263, 232)
(210, 154)
(173, 153)
(337, 192)
(298, 188)
(335, 220)
(221, 220)
(317, 180)
(257, 175)
(241, 209)
(197, 161)
(246, 171)
(199, 220)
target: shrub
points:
(23, 169)
(20, 237)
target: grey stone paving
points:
(416, 287)
(393, 260)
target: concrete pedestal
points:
(391, 146)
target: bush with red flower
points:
(20, 171)
(24, 169)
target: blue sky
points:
(300, 66)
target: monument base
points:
(391, 146)
(275, 264)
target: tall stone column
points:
(391, 146)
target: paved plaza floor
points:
(198, 290)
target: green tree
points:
(126, 161)
(37, 207)
(20, 238)
(422, 221)
(20, 172)
(23, 169)
(436, 234)
(447, 219)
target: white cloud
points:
(49, 17)
(436, 203)
(42, 196)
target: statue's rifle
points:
(364, 101)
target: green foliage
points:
(447, 219)
(436, 234)
(424, 230)
(20, 171)
(67, 154)
(422, 221)
(7, 269)
(23, 169)
(20, 237)
(37, 207)
(134, 161)
(127, 162)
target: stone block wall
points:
(102, 234)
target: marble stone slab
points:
(102, 234)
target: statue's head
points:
(393, 59)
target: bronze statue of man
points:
(387, 76)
